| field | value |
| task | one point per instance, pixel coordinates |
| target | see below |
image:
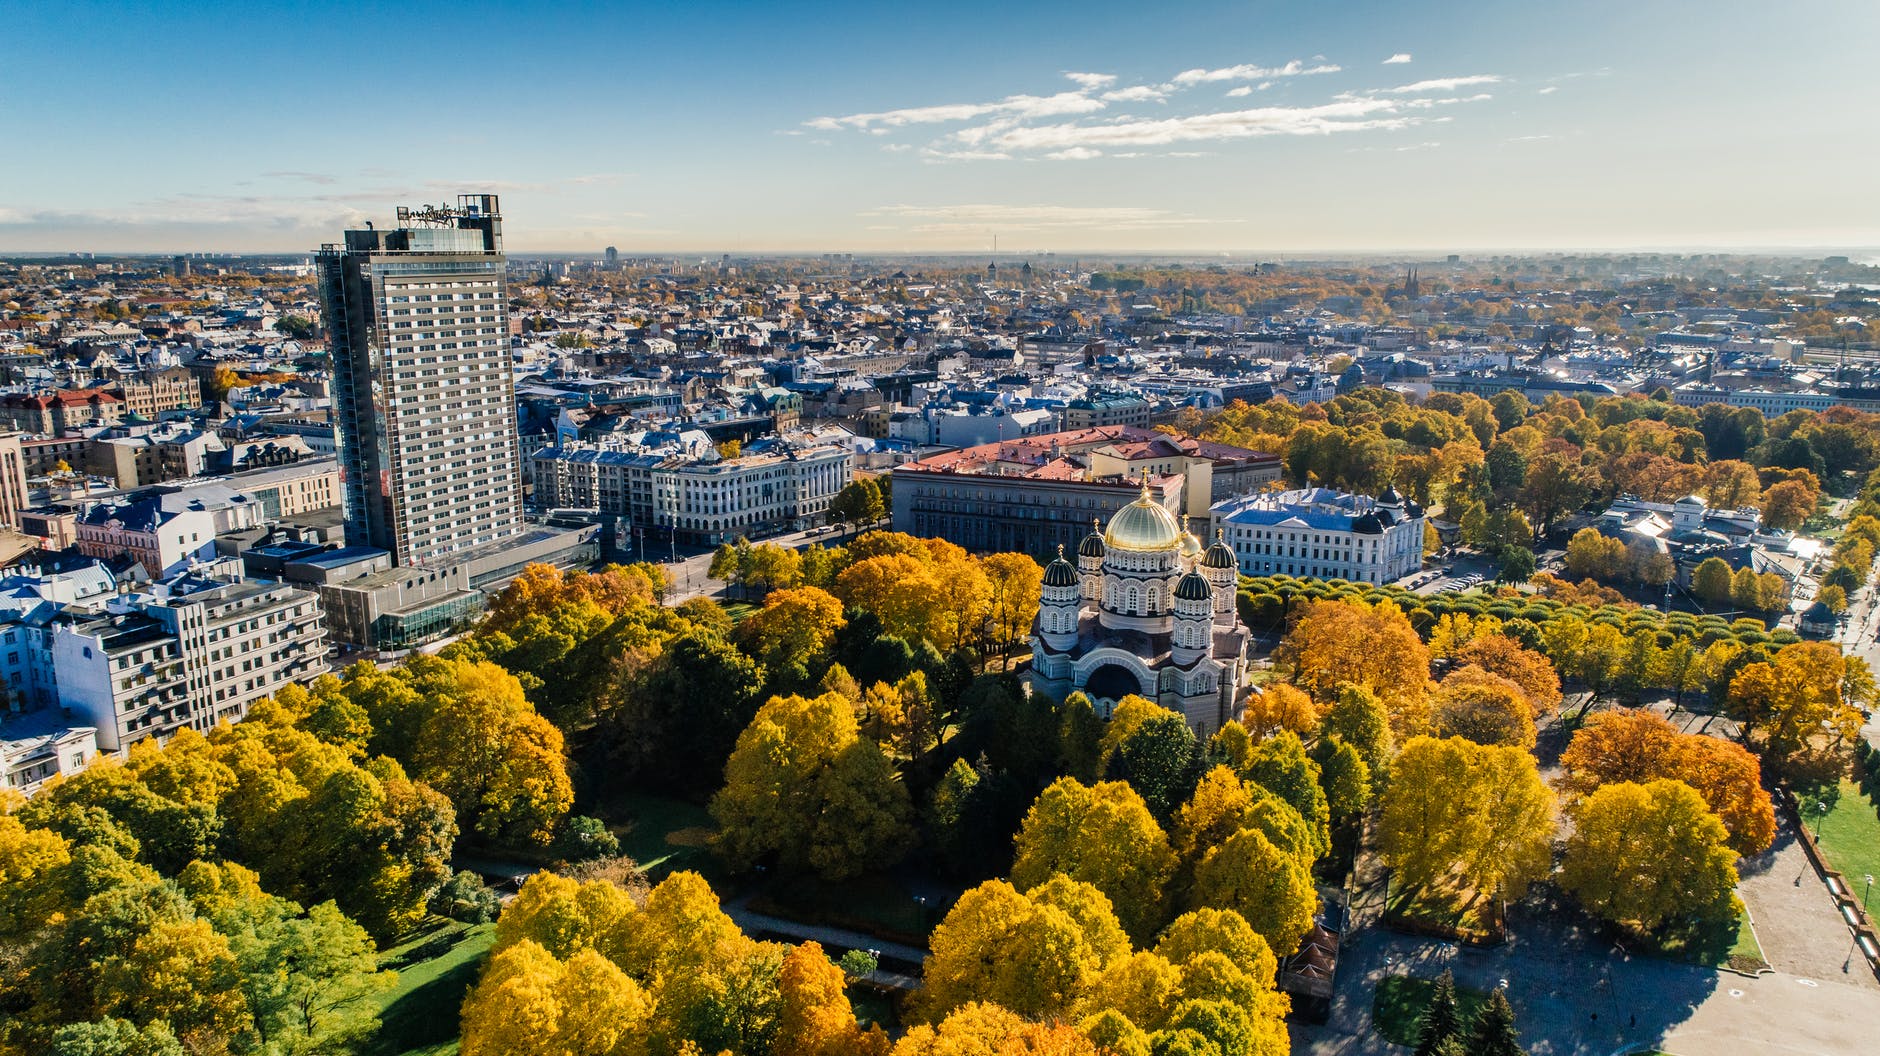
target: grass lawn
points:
(738, 610)
(418, 1017)
(1850, 838)
(1729, 944)
(1444, 910)
(666, 835)
(1397, 1008)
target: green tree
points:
(1441, 1022)
(1358, 718)
(1344, 777)
(312, 980)
(115, 1037)
(858, 503)
(1279, 764)
(1160, 760)
(1494, 1032)
(1517, 565)
(674, 728)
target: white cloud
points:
(1063, 126)
(931, 154)
(1443, 84)
(1015, 105)
(1138, 93)
(1549, 90)
(1397, 59)
(1250, 72)
(1350, 115)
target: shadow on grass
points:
(420, 1014)
(877, 904)
(1442, 911)
(1709, 944)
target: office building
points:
(685, 491)
(1035, 493)
(423, 392)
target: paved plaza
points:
(1576, 994)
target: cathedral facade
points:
(1145, 610)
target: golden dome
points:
(1143, 525)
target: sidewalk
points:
(833, 940)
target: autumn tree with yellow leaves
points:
(1102, 835)
(1474, 814)
(1338, 643)
(1644, 854)
(1003, 958)
(805, 790)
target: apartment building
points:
(190, 653)
(12, 479)
(36, 748)
(61, 411)
(150, 393)
(30, 602)
(162, 539)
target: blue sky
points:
(1247, 127)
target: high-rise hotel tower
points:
(423, 387)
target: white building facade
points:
(1323, 534)
(191, 653)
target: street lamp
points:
(1821, 811)
(1864, 894)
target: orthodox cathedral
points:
(1144, 610)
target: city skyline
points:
(1236, 128)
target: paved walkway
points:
(1576, 994)
(833, 941)
(1801, 932)
(1573, 999)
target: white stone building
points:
(781, 485)
(1324, 534)
(190, 653)
(1146, 611)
